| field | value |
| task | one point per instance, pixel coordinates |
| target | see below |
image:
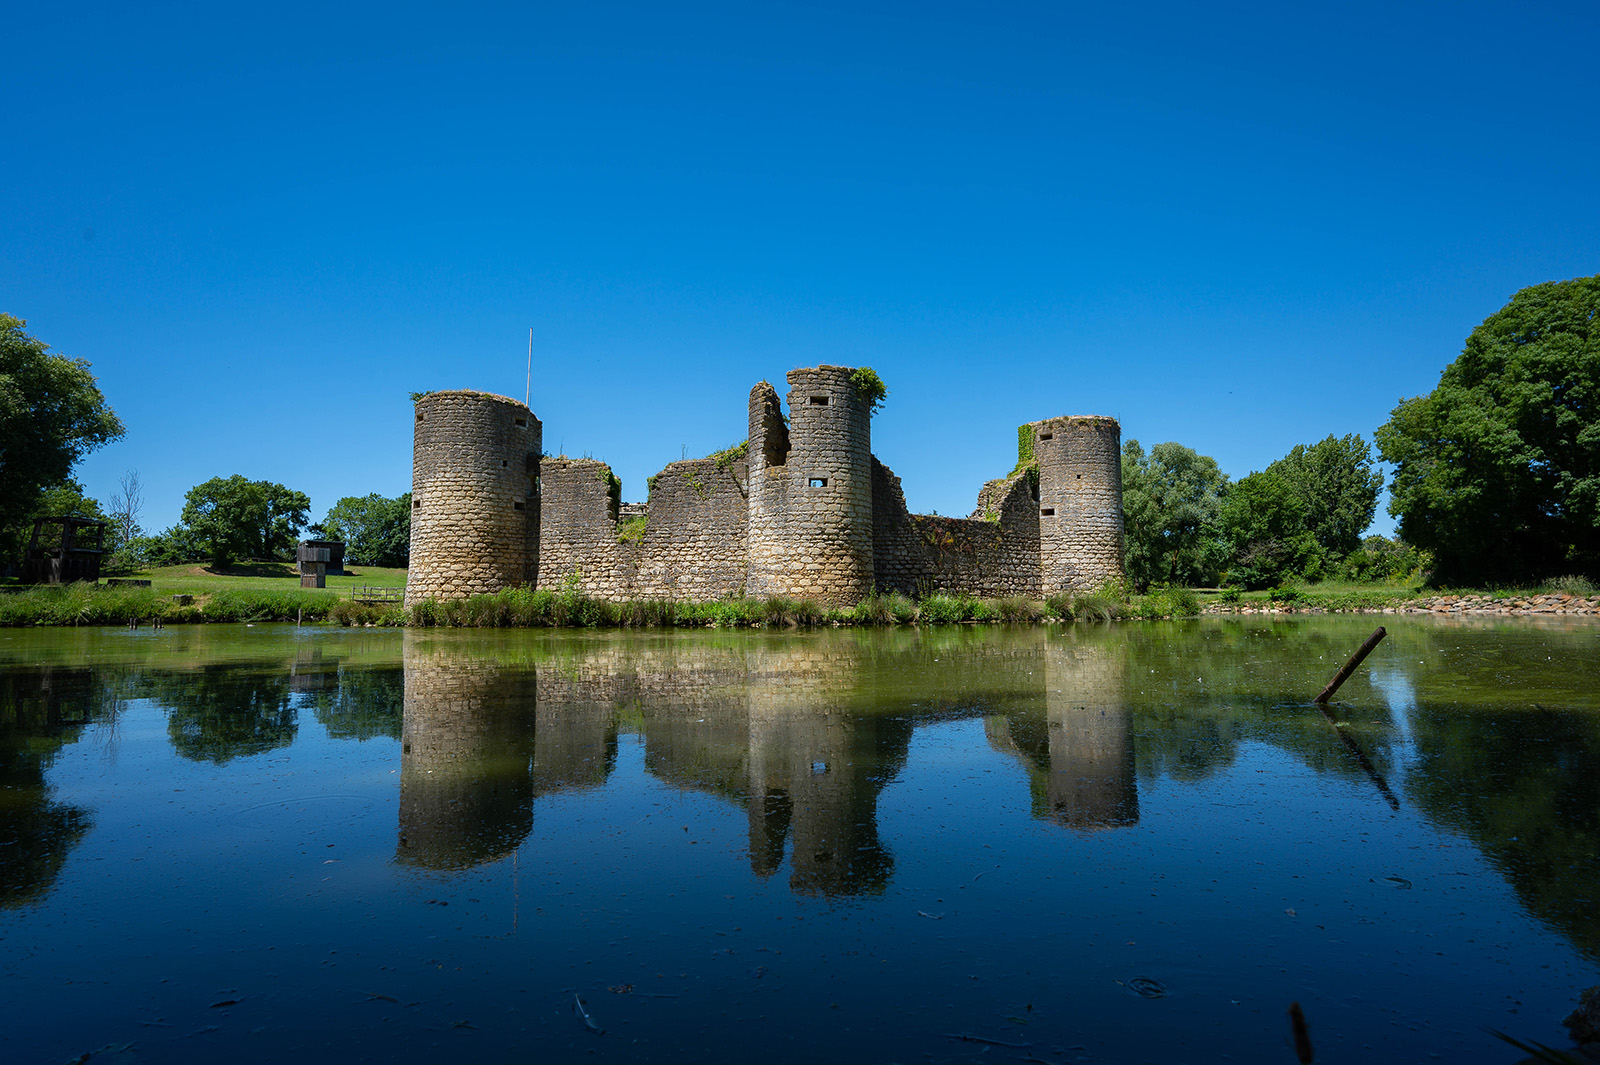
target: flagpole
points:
(527, 392)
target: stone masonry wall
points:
(694, 538)
(578, 530)
(1080, 502)
(474, 521)
(810, 532)
(694, 541)
(991, 555)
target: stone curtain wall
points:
(474, 516)
(1080, 502)
(920, 553)
(578, 530)
(695, 539)
(811, 519)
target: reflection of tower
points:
(1080, 502)
(474, 513)
(816, 768)
(810, 531)
(1080, 756)
(466, 765)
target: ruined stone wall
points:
(578, 530)
(810, 533)
(1080, 502)
(991, 555)
(695, 537)
(474, 518)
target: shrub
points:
(875, 609)
(1018, 609)
(1060, 605)
(942, 608)
(1574, 584)
(1097, 606)
(632, 530)
(1231, 594)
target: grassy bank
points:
(253, 597)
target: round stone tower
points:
(474, 511)
(1080, 502)
(810, 533)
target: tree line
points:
(1496, 476)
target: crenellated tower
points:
(810, 531)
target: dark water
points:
(1126, 843)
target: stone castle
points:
(802, 509)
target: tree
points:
(376, 530)
(1337, 489)
(1302, 515)
(1497, 470)
(51, 415)
(126, 504)
(236, 518)
(1170, 502)
(1265, 522)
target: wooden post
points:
(1350, 666)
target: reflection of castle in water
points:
(783, 729)
(1077, 748)
(768, 728)
(476, 752)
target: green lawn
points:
(199, 579)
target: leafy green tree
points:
(1265, 521)
(51, 415)
(236, 518)
(1338, 490)
(376, 530)
(1302, 515)
(1170, 502)
(1497, 470)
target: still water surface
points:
(1113, 843)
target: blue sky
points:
(1237, 226)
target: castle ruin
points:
(802, 509)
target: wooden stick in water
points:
(1350, 666)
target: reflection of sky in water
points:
(1395, 686)
(848, 845)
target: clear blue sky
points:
(1237, 226)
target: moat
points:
(1091, 843)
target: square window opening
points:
(819, 482)
(419, 417)
(516, 504)
(1047, 436)
(522, 422)
(819, 401)
(1048, 512)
